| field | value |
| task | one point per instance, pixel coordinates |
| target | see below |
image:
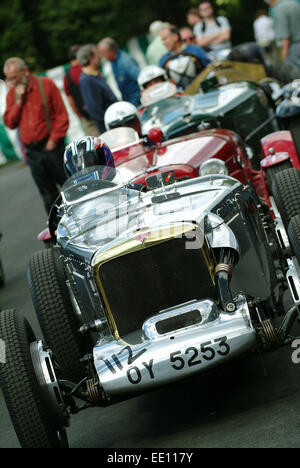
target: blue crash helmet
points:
(85, 152)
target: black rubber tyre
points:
(286, 193)
(272, 171)
(31, 417)
(294, 236)
(55, 313)
(2, 276)
(294, 127)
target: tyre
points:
(32, 418)
(2, 276)
(286, 193)
(294, 236)
(272, 171)
(50, 295)
(294, 127)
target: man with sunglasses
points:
(187, 36)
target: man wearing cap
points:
(156, 49)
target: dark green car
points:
(243, 107)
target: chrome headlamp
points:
(213, 166)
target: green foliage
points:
(42, 31)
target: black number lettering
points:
(134, 375)
(131, 356)
(192, 361)
(109, 366)
(177, 359)
(116, 360)
(205, 348)
(224, 345)
(149, 368)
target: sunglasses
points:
(188, 39)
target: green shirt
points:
(155, 51)
(287, 20)
(271, 9)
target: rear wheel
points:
(294, 236)
(272, 171)
(56, 314)
(286, 193)
(33, 420)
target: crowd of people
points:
(34, 105)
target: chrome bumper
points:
(163, 358)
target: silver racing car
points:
(143, 288)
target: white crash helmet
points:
(122, 114)
(182, 70)
(149, 73)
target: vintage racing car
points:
(143, 289)
(243, 107)
(201, 153)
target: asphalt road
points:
(253, 402)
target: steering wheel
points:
(184, 78)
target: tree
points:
(42, 31)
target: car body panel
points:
(228, 72)
(241, 107)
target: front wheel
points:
(33, 420)
(294, 236)
(285, 190)
(50, 295)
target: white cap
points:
(157, 26)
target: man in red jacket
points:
(34, 106)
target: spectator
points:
(286, 23)
(171, 38)
(183, 61)
(264, 34)
(96, 94)
(72, 90)
(187, 36)
(193, 18)
(156, 49)
(125, 69)
(35, 106)
(213, 32)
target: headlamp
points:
(213, 166)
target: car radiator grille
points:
(140, 284)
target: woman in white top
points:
(263, 27)
(212, 32)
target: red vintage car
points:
(187, 156)
(280, 164)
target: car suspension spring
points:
(269, 332)
(94, 391)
